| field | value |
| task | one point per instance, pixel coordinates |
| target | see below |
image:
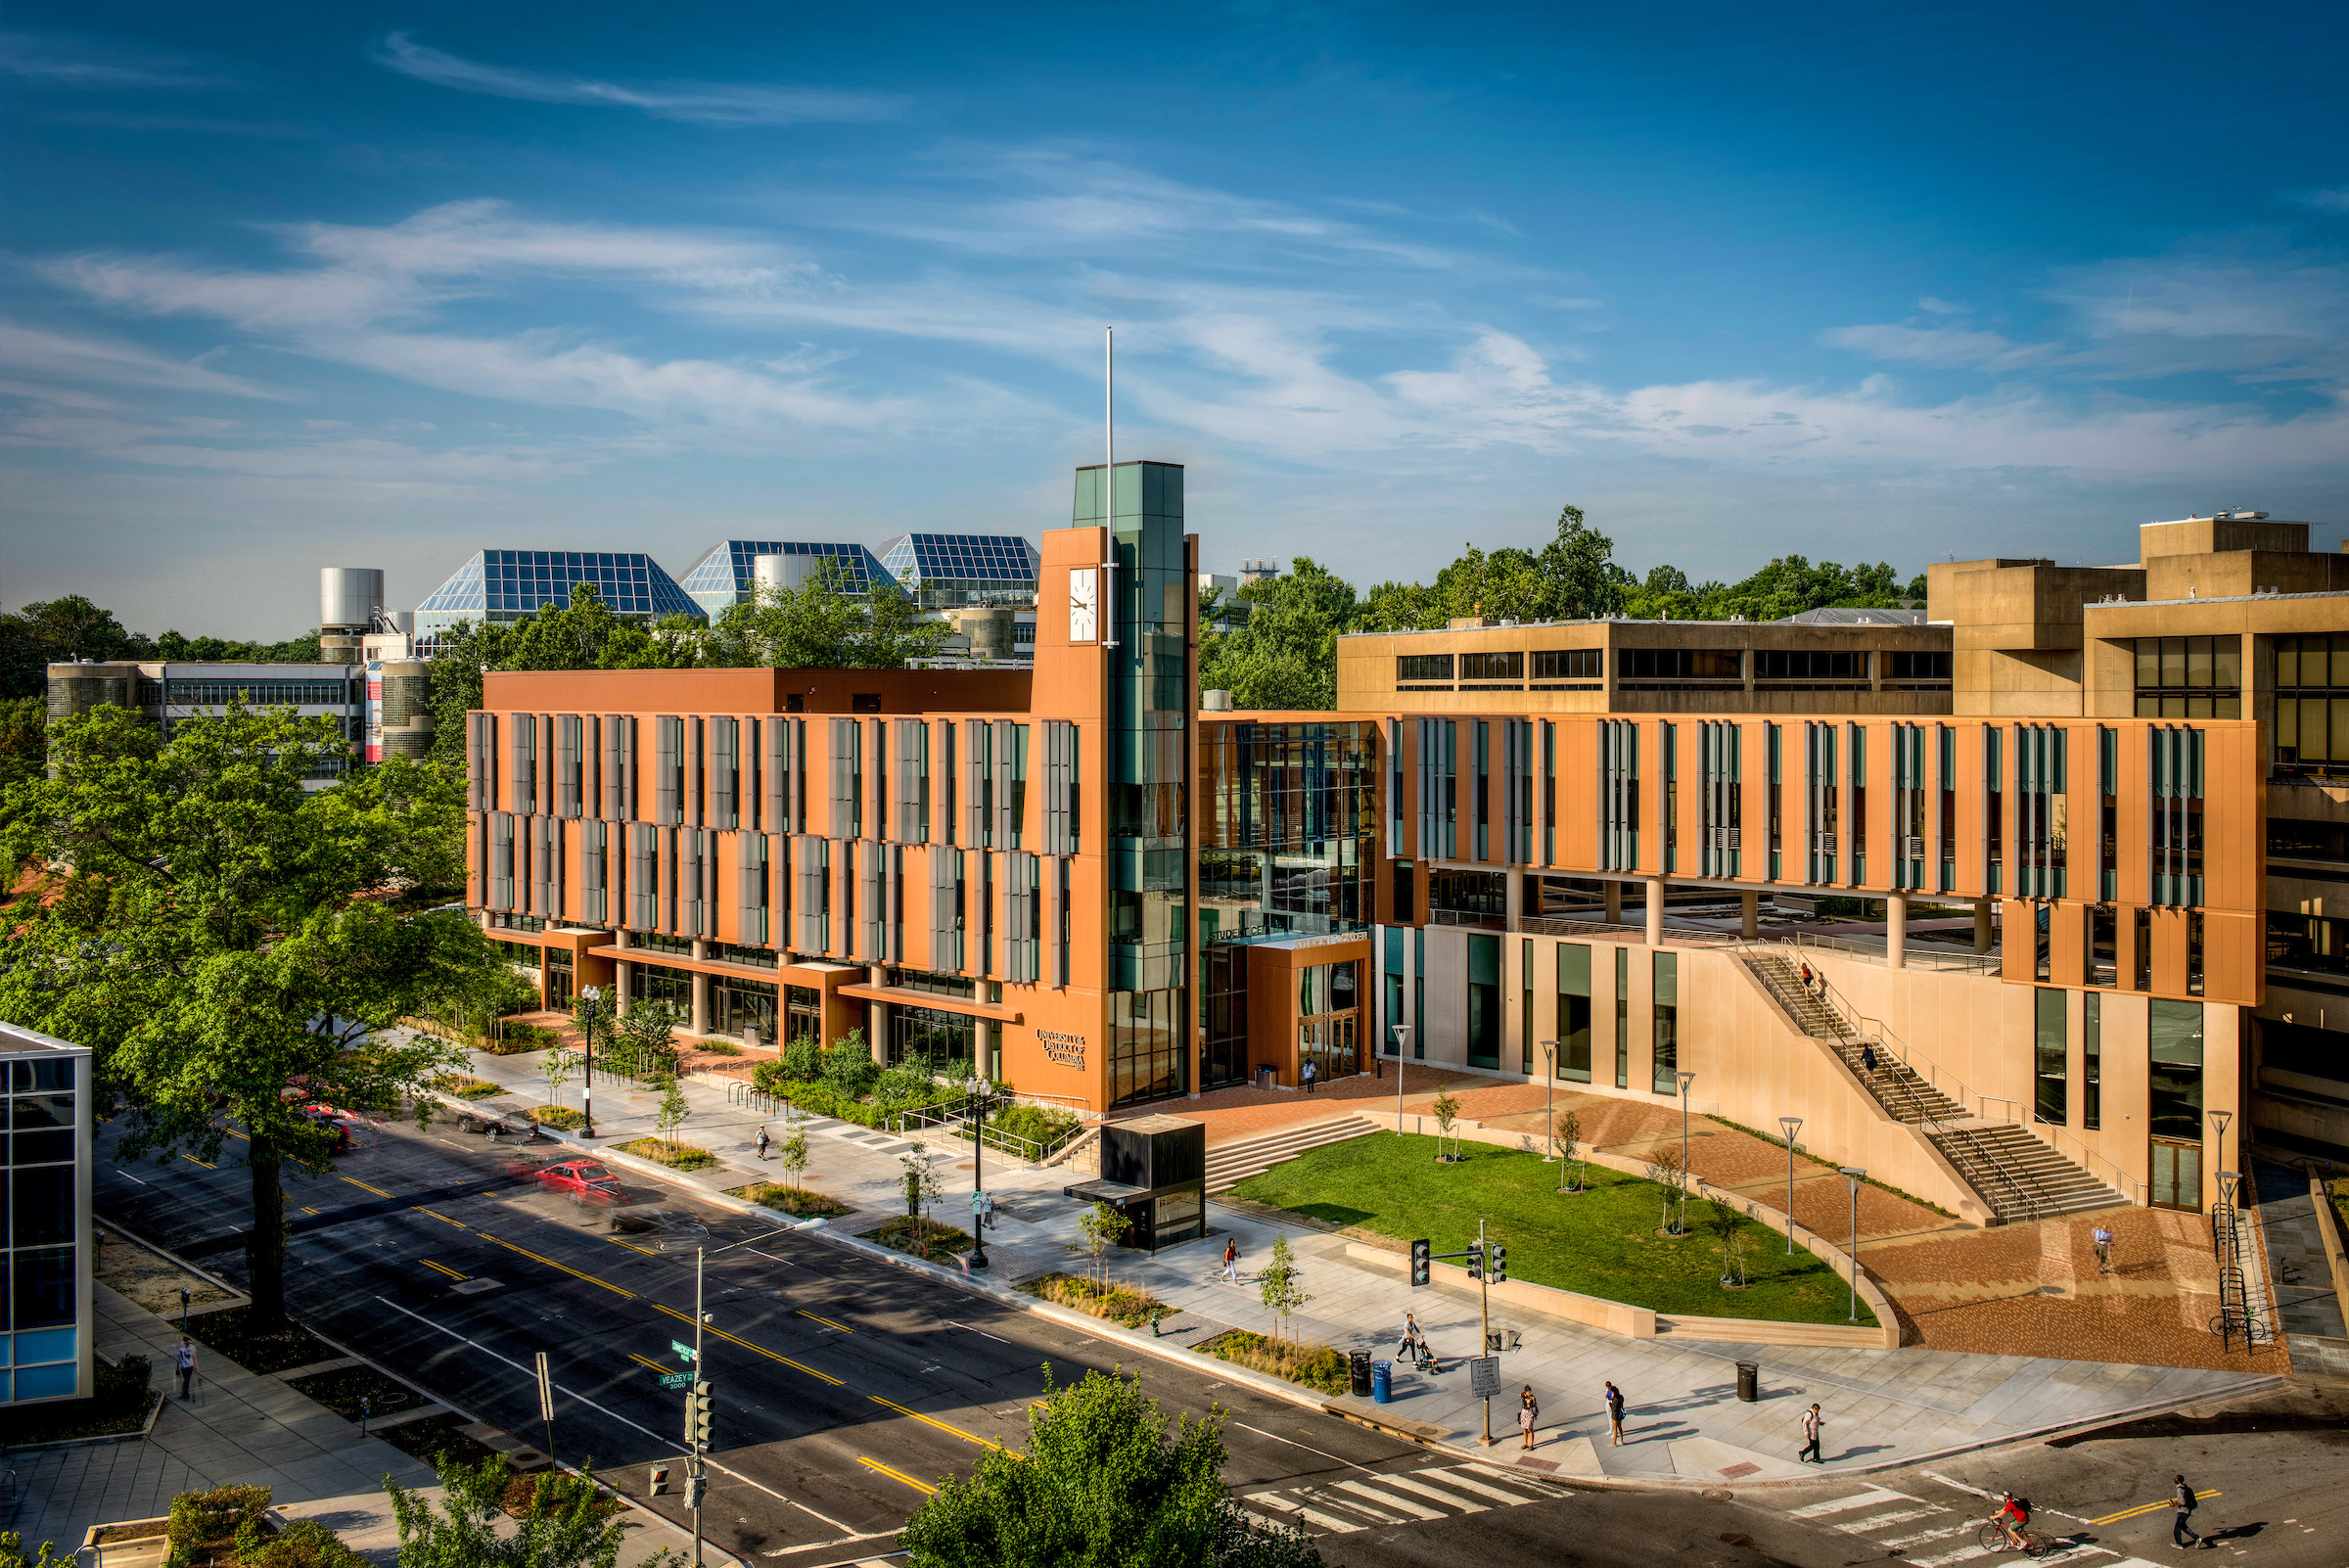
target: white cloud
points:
(706, 103)
(1943, 347)
(2242, 294)
(36, 353)
(2335, 199)
(69, 63)
(1939, 307)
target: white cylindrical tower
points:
(348, 598)
(774, 572)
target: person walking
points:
(1867, 1062)
(2182, 1506)
(1307, 1077)
(1529, 1411)
(1614, 1404)
(762, 1142)
(2104, 1240)
(184, 1359)
(1231, 1261)
(1812, 1422)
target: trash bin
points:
(1748, 1376)
(1263, 1078)
(1359, 1364)
(1382, 1389)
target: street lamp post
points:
(1403, 1043)
(980, 1102)
(1852, 1173)
(2222, 1117)
(1686, 1078)
(1549, 1102)
(593, 996)
(1792, 1125)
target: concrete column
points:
(1614, 912)
(979, 1064)
(876, 1034)
(1896, 932)
(1749, 914)
(1514, 895)
(1981, 925)
(699, 1021)
(622, 972)
(1655, 911)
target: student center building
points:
(2064, 846)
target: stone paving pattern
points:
(1883, 1406)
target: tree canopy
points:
(57, 631)
(1285, 654)
(229, 943)
(1106, 1481)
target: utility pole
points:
(699, 1414)
(593, 996)
(1487, 1262)
(1402, 1041)
(1484, 1319)
(980, 1100)
(1792, 1125)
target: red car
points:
(584, 1179)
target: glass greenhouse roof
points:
(915, 558)
(721, 579)
(501, 585)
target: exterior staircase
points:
(1230, 1164)
(2017, 1177)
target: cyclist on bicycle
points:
(2012, 1515)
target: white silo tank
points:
(350, 596)
(775, 571)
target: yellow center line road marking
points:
(309, 1210)
(206, 1164)
(922, 1486)
(826, 1321)
(565, 1267)
(642, 1362)
(614, 1415)
(443, 1218)
(443, 1267)
(942, 1426)
(631, 1246)
(364, 1187)
(2153, 1507)
(732, 1339)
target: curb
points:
(1304, 1399)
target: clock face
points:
(1084, 592)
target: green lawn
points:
(1601, 1242)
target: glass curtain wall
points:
(1148, 600)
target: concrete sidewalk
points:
(1884, 1409)
(236, 1428)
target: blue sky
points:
(292, 284)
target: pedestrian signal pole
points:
(1487, 1264)
(700, 1411)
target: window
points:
(1483, 790)
(1420, 992)
(2053, 1059)
(2108, 825)
(1776, 861)
(2297, 839)
(1667, 1022)
(1224, 978)
(2042, 811)
(2092, 1061)
(2175, 1042)
(1484, 1002)
(2177, 815)
(1570, 663)
(657, 983)
(1574, 1011)
(2312, 705)
(1927, 666)
(1393, 1013)
(1623, 1017)
(1823, 801)
(2143, 967)
(1843, 664)
(934, 983)
(1491, 666)
(1525, 1006)
(930, 1033)
(1422, 667)
(1148, 1046)
(1669, 791)
(1994, 811)
(1683, 664)
(1908, 805)
(2103, 945)
(1467, 898)
(1949, 807)
(1721, 828)
(1550, 793)
(1618, 799)
(216, 693)
(2194, 677)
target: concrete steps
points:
(1230, 1164)
(2021, 1177)
(1743, 1331)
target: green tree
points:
(23, 739)
(670, 1114)
(1285, 653)
(1579, 565)
(794, 1148)
(565, 1525)
(1105, 1481)
(219, 935)
(59, 631)
(821, 624)
(557, 1066)
(922, 1185)
(1278, 1286)
(1102, 1225)
(646, 1038)
(1448, 1111)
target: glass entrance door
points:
(2177, 1175)
(1331, 1044)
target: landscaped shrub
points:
(849, 1065)
(717, 1048)
(216, 1527)
(1038, 1124)
(1120, 1303)
(677, 1156)
(123, 1386)
(924, 1238)
(1316, 1367)
(802, 1058)
(798, 1202)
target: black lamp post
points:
(982, 1100)
(591, 998)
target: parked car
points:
(587, 1181)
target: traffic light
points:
(698, 1414)
(696, 1485)
(1501, 1263)
(1476, 1260)
(1420, 1267)
(660, 1480)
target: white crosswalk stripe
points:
(1366, 1502)
(1875, 1513)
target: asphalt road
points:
(845, 1388)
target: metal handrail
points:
(944, 1115)
(2020, 1195)
(1869, 950)
(2055, 1138)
